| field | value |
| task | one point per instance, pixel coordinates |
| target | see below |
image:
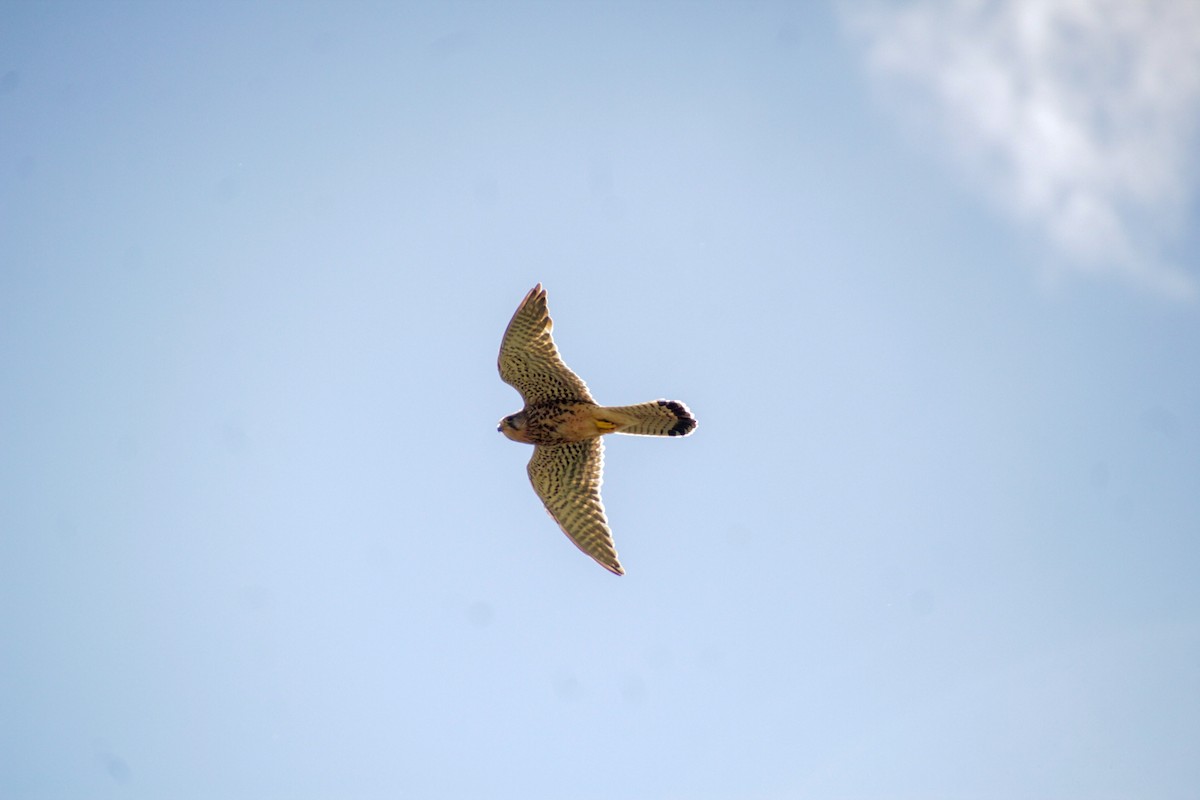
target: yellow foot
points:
(604, 426)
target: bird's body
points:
(555, 422)
(559, 422)
(565, 424)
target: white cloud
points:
(1078, 116)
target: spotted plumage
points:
(565, 424)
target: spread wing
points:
(567, 477)
(529, 361)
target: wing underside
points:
(567, 478)
(529, 361)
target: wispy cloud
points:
(1077, 116)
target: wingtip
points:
(613, 566)
(535, 294)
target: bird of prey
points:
(564, 424)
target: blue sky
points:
(925, 272)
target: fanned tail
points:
(657, 418)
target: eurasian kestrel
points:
(565, 424)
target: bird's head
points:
(513, 426)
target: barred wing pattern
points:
(529, 361)
(567, 477)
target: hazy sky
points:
(926, 273)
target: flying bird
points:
(564, 424)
